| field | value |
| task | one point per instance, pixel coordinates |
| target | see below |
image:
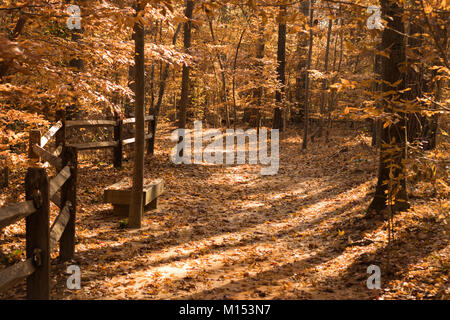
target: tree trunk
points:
(376, 124)
(281, 69)
(152, 72)
(324, 95)
(137, 201)
(129, 106)
(301, 53)
(308, 66)
(234, 76)
(186, 69)
(391, 186)
(333, 96)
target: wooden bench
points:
(119, 195)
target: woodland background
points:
(364, 119)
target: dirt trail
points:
(226, 232)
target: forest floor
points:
(227, 232)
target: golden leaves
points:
(427, 7)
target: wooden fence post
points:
(37, 233)
(35, 138)
(61, 134)
(118, 137)
(69, 193)
(151, 141)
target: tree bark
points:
(308, 66)
(186, 69)
(324, 95)
(152, 72)
(391, 187)
(234, 75)
(302, 53)
(377, 69)
(281, 69)
(332, 98)
(137, 201)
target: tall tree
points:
(186, 68)
(223, 95)
(152, 72)
(391, 187)
(300, 79)
(137, 201)
(281, 68)
(234, 74)
(258, 92)
(185, 73)
(377, 67)
(308, 66)
(332, 100)
(323, 97)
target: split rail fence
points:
(117, 144)
(41, 239)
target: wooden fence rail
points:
(40, 239)
(47, 156)
(37, 142)
(16, 212)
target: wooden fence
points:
(37, 142)
(40, 238)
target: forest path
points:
(227, 232)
